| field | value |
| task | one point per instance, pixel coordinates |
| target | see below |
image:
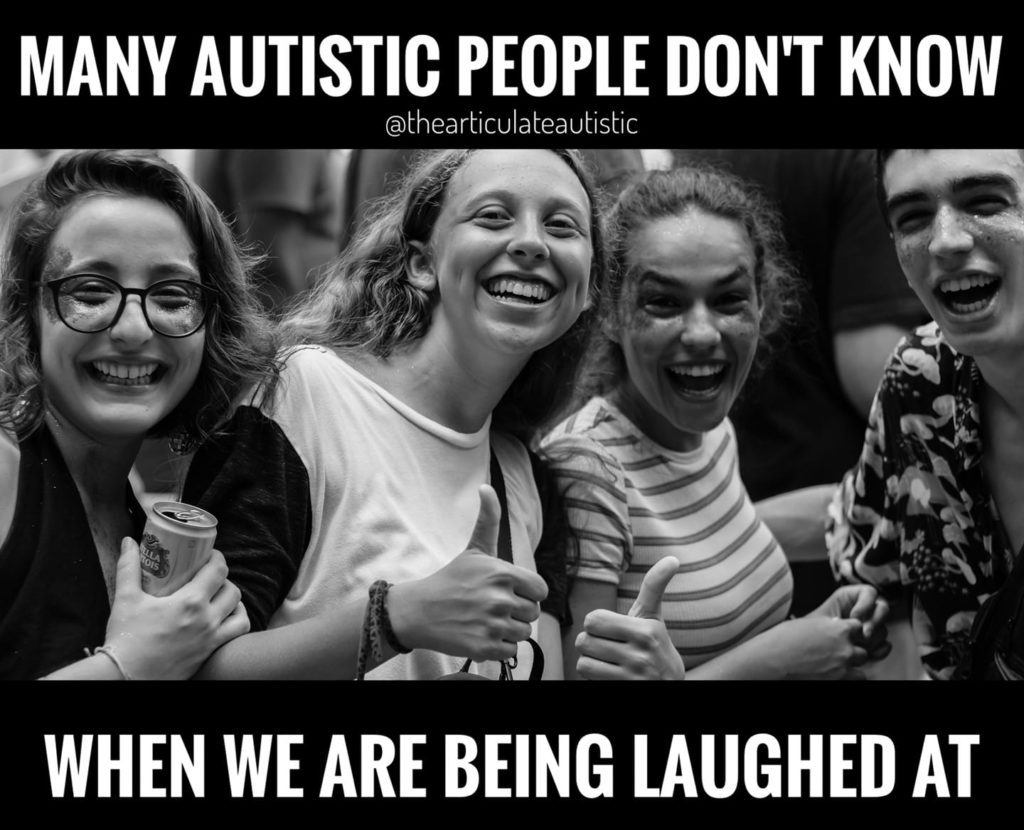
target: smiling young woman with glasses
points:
(125, 312)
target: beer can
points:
(176, 542)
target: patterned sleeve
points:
(593, 486)
(250, 477)
(862, 526)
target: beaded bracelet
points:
(385, 621)
(376, 623)
(377, 591)
(363, 643)
(109, 651)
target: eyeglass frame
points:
(211, 297)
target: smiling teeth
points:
(698, 371)
(539, 291)
(963, 283)
(133, 371)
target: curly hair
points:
(663, 193)
(365, 301)
(239, 348)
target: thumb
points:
(864, 603)
(129, 568)
(852, 627)
(485, 534)
(648, 601)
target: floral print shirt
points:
(917, 511)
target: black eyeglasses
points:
(90, 303)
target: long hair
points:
(239, 346)
(664, 193)
(365, 301)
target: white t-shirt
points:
(394, 495)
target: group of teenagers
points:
(492, 440)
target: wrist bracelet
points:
(377, 591)
(109, 651)
(369, 638)
(363, 653)
(385, 618)
(376, 624)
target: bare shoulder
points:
(10, 456)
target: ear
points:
(419, 266)
(590, 302)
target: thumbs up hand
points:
(634, 646)
(648, 602)
(484, 538)
(477, 605)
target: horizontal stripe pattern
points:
(631, 502)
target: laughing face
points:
(688, 324)
(957, 219)
(509, 255)
(118, 383)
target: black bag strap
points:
(505, 552)
(505, 526)
(536, 670)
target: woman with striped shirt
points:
(648, 466)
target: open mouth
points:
(970, 294)
(702, 380)
(519, 290)
(125, 374)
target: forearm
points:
(586, 595)
(797, 521)
(325, 647)
(549, 640)
(96, 667)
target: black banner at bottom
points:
(423, 750)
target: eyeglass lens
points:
(90, 304)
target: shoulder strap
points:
(505, 552)
(505, 528)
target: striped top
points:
(631, 502)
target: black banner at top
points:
(641, 81)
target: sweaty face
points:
(957, 219)
(118, 383)
(510, 254)
(688, 324)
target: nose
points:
(528, 242)
(950, 237)
(131, 328)
(699, 330)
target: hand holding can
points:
(176, 542)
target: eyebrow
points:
(663, 281)
(957, 186)
(163, 270)
(553, 200)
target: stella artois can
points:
(176, 542)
